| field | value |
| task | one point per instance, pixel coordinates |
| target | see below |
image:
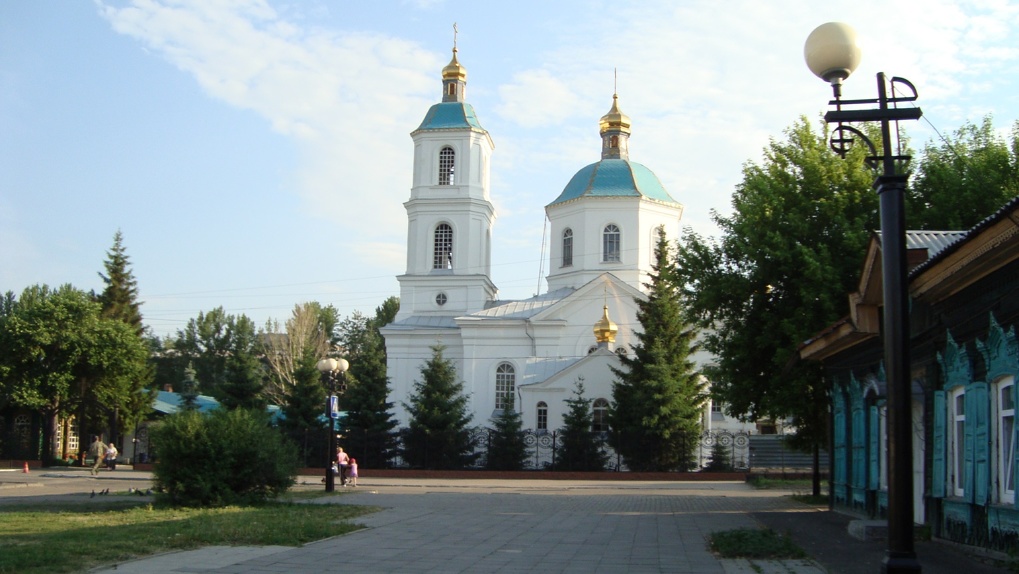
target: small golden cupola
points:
(615, 132)
(454, 77)
(605, 330)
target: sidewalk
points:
(429, 525)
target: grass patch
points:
(35, 540)
(768, 483)
(754, 543)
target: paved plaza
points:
(534, 526)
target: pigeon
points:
(93, 493)
(105, 492)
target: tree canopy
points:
(788, 254)
(965, 178)
(62, 357)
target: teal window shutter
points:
(977, 459)
(840, 437)
(859, 446)
(939, 464)
(874, 449)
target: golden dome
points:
(454, 71)
(605, 330)
(615, 119)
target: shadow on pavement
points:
(824, 535)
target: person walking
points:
(97, 450)
(342, 461)
(352, 473)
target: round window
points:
(440, 299)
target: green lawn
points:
(42, 539)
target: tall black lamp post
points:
(332, 370)
(832, 54)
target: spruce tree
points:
(189, 390)
(721, 459)
(304, 412)
(438, 436)
(245, 374)
(369, 427)
(120, 297)
(658, 393)
(579, 447)
(506, 447)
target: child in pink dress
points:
(352, 472)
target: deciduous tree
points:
(787, 256)
(964, 178)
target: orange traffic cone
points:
(24, 469)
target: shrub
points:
(221, 458)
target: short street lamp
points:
(331, 370)
(832, 54)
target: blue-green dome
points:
(614, 178)
(450, 116)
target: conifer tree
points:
(245, 375)
(658, 393)
(189, 390)
(579, 447)
(438, 436)
(721, 458)
(369, 427)
(506, 447)
(120, 297)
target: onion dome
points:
(614, 120)
(605, 330)
(454, 71)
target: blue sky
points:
(256, 153)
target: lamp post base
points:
(900, 563)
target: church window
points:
(614, 142)
(441, 299)
(542, 419)
(600, 416)
(610, 244)
(505, 386)
(447, 158)
(451, 89)
(443, 258)
(568, 247)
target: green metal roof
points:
(450, 115)
(614, 178)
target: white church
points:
(528, 353)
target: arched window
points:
(446, 161)
(568, 247)
(505, 386)
(600, 416)
(610, 244)
(542, 419)
(443, 258)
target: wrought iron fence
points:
(545, 449)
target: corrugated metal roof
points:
(614, 178)
(429, 321)
(524, 308)
(169, 403)
(450, 115)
